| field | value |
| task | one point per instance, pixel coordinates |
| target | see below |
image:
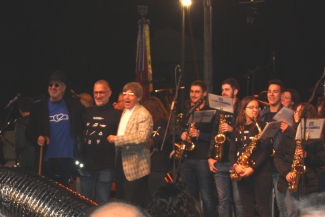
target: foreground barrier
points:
(27, 194)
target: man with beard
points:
(221, 167)
(99, 154)
(274, 94)
(194, 168)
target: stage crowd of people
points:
(222, 166)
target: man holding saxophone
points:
(218, 152)
(194, 169)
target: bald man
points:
(118, 209)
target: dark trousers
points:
(134, 192)
(197, 178)
(255, 190)
(156, 180)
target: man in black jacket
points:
(194, 168)
(221, 166)
(55, 125)
(99, 154)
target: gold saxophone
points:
(187, 144)
(219, 139)
(297, 167)
(244, 159)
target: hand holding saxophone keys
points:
(223, 128)
(240, 169)
(290, 177)
(247, 172)
(194, 133)
(301, 153)
(184, 136)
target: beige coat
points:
(135, 157)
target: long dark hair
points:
(241, 117)
(155, 108)
(311, 111)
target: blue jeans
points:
(289, 198)
(279, 196)
(197, 178)
(97, 186)
(224, 186)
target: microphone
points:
(197, 104)
(13, 100)
(179, 67)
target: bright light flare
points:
(186, 2)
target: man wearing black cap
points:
(55, 123)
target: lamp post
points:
(208, 76)
(184, 4)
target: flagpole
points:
(143, 57)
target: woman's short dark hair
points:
(295, 96)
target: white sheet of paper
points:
(285, 114)
(314, 127)
(221, 103)
(270, 130)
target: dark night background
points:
(92, 40)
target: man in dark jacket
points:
(194, 169)
(220, 167)
(99, 154)
(55, 125)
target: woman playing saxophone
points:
(289, 159)
(255, 180)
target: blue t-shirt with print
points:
(61, 137)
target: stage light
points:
(186, 2)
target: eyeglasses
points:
(100, 92)
(253, 107)
(295, 112)
(129, 94)
(55, 84)
(286, 97)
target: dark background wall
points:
(90, 40)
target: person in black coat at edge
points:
(256, 179)
(314, 158)
(160, 160)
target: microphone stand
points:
(6, 122)
(303, 134)
(172, 118)
(247, 75)
(258, 68)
